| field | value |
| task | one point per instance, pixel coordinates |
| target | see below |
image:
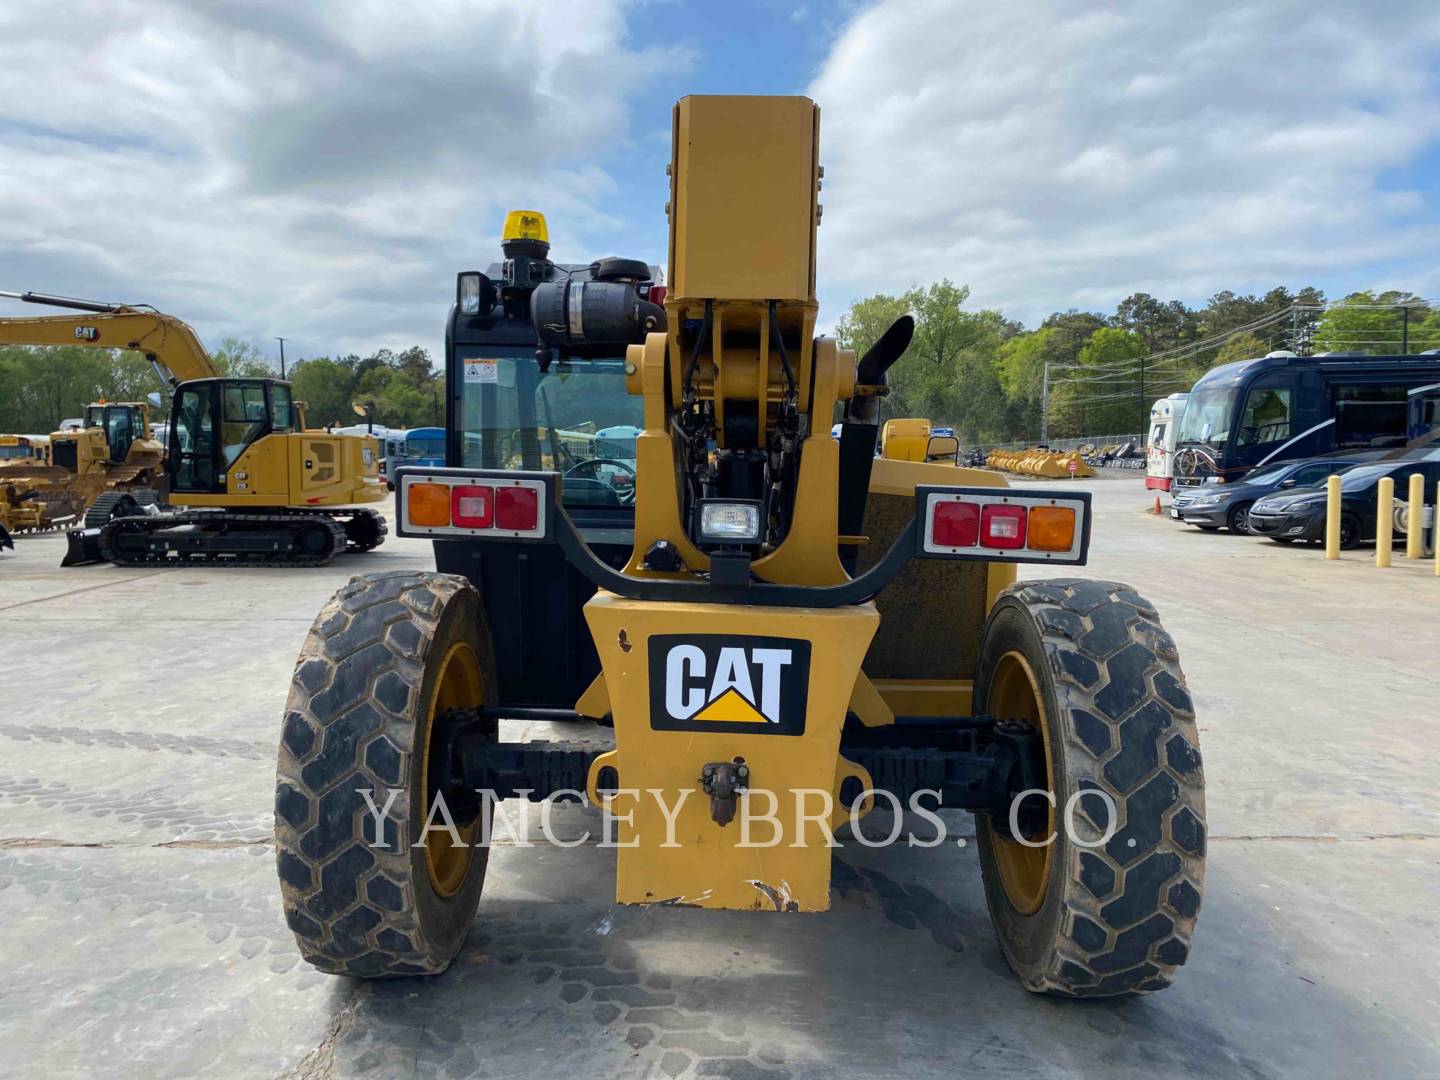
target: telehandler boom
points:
(782, 629)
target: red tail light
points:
(657, 293)
(517, 508)
(956, 524)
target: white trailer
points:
(1160, 444)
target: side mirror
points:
(1288, 483)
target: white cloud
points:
(1053, 154)
(318, 170)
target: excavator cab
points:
(216, 420)
(122, 423)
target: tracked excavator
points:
(247, 482)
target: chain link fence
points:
(1097, 441)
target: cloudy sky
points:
(321, 170)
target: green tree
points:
(1158, 324)
(327, 387)
(1104, 396)
(949, 374)
(402, 389)
(242, 360)
(1245, 346)
(1020, 365)
(39, 387)
(861, 326)
(1378, 330)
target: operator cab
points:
(122, 424)
(215, 420)
(535, 364)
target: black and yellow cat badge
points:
(729, 682)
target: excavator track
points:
(224, 537)
(364, 529)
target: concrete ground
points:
(140, 926)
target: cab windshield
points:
(514, 417)
(1207, 416)
(21, 450)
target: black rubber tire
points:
(1114, 919)
(1349, 532)
(1233, 518)
(356, 719)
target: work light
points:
(469, 294)
(728, 521)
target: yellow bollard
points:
(1332, 517)
(1385, 521)
(1415, 538)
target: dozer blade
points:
(83, 547)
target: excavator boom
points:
(171, 346)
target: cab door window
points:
(281, 409)
(119, 431)
(245, 419)
(193, 443)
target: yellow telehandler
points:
(783, 629)
(246, 480)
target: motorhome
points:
(1281, 406)
(1165, 417)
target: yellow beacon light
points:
(525, 225)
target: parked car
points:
(1214, 506)
(1299, 514)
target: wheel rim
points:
(459, 686)
(1242, 519)
(1014, 694)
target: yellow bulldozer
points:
(246, 480)
(20, 507)
(785, 631)
(110, 452)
